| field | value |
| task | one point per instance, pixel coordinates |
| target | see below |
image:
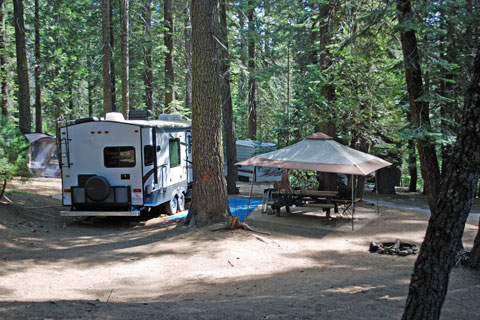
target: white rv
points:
(117, 167)
(249, 148)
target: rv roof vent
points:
(140, 114)
(83, 120)
(169, 117)
(114, 116)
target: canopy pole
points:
(254, 176)
(376, 191)
(353, 202)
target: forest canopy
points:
(296, 67)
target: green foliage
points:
(342, 69)
(302, 180)
(13, 151)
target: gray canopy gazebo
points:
(319, 152)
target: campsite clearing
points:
(121, 268)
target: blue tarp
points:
(238, 207)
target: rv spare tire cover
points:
(97, 188)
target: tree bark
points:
(147, 53)
(252, 86)
(90, 97)
(429, 281)
(125, 26)
(112, 60)
(38, 92)
(71, 106)
(107, 57)
(386, 180)
(188, 57)
(209, 201)
(475, 253)
(168, 40)
(228, 124)
(3, 69)
(24, 116)
(412, 166)
(419, 109)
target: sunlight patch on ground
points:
(353, 289)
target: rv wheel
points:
(171, 206)
(97, 188)
(181, 201)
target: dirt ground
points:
(69, 268)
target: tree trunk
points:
(38, 92)
(252, 86)
(112, 60)
(90, 97)
(386, 180)
(147, 54)
(209, 202)
(359, 143)
(475, 253)
(412, 166)
(107, 57)
(168, 39)
(24, 117)
(125, 25)
(429, 281)
(419, 109)
(71, 106)
(4, 188)
(228, 124)
(3, 69)
(188, 57)
(326, 33)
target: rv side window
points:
(119, 157)
(149, 155)
(174, 153)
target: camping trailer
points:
(117, 167)
(249, 148)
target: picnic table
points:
(326, 200)
(278, 198)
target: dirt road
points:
(64, 268)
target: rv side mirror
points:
(158, 148)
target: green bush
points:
(13, 151)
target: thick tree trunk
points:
(24, 116)
(412, 166)
(429, 281)
(112, 60)
(107, 57)
(327, 180)
(252, 86)
(475, 253)
(3, 69)
(125, 26)
(188, 57)
(209, 202)
(386, 180)
(38, 92)
(147, 54)
(227, 109)
(419, 109)
(168, 40)
(359, 143)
